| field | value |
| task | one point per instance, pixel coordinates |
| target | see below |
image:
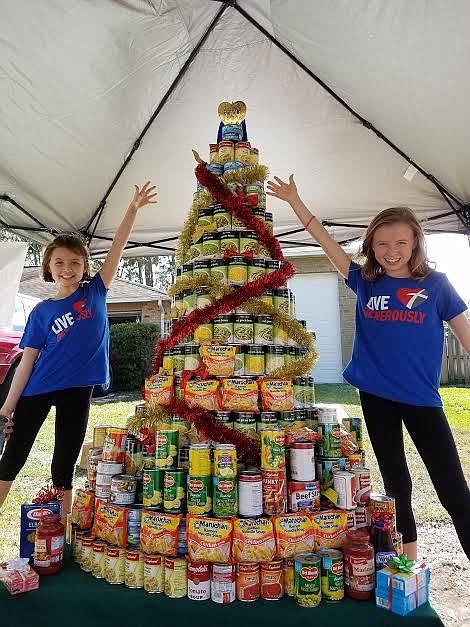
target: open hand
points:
(144, 196)
(282, 190)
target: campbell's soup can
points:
(248, 582)
(176, 577)
(114, 445)
(154, 574)
(134, 569)
(86, 560)
(223, 583)
(272, 580)
(199, 581)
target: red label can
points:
(223, 583)
(114, 445)
(248, 581)
(272, 580)
(274, 492)
(199, 581)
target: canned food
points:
(199, 581)
(263, 330)
(244, 422)
(216, 168)
(189, 301)
(267, 421)
(254, 156)
(248, 582)
(363, 484)
(231, 132)
(154, 573)
(223, 583)
(250, 494)
(248, 242)
(307, 579)
(281, 299)
(268, 218)
(222, 218)
(267, 297)
(210, 244)
(225, 499)
(187, 270)
(302, 461)
(195, 250)
(192, 358)
(199, 460)
(204, 217)
(229, 240)
(272, 580)
(274, 358)
(280, 335)
(134, 515)
(153, 487)
(99, 434)
(300, 392)
(254, 360)
(237, 270)
(134, 569)
(114, 564)
(225, 460)
(256, 269)
(243, 329)
(226, 151)
(114, 445)
(213, 153)
(356, 429)
(332, 574)
(304, 496)
(178, 360)
(274, 492)
(361, 517)
(218, 269)
(273, 449)
(239, 369)
(176, 581)
(380, 503)
(86, 554)
(174, 491)
(223, 329)
(344, 484)
(123, 489)
(94, 457)
(242, 152)
(326, 468)
(199, 494)
(330, 440)
(286, 419)
(166, 448)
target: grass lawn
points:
(115, 411)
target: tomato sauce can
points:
(134, 569)
(332, 574)
(176, 577)
(223, 588)
(289, 577)
(274, 492)
(272, 580)
(114, 564)
(307, 579)
(114, 445)
(248, 582)
(199, 581)
(154, 574)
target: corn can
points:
(332, 574)
(307, 579)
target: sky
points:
(451, 253)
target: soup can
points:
(247, 582)
(114, 564)
(223, 587)
(272, 580)
(154, 574)
(199, 581)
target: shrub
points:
(132, 345)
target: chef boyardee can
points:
(174, 491)
(256, 269)
(332, 579)
(307, 579)
(229, 240)
(219, 270)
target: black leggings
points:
(431, 434)
(72, 409)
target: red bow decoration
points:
(200, 371)
(248, 254)
(48, 494)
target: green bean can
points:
(237, 223)
(178, 360)
(286, 419)
(201, 268)
(300, 392)
(272, 265)
(174, 491)
(229, 240)
(330, 442)
(248, 242)
(307, 579)
(210, 244)
(152, 479)
(223, 329)
(332, 575)
(219, 270)
(222, 218)
(189, 301)
(204, 217)
(244, 421)
(203, 297)
(187, 270)
(268, 218)
(311, 392)
(195, 250)
(267, 421)
(281, 299)
(256, 269)
(259, 212)
(263, 330)
(225, 497)
(243, 329)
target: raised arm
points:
(142, 197)
(288, 192)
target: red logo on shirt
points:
(83, 312)
(412, 297)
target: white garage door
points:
(316, 299)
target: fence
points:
(455, 362)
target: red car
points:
(10, 352)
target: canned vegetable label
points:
(174, 491)
(225, 502)
(166, 448)
(199, 494)
(307, 579)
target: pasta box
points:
(31, 514)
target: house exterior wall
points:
(147, 311)
(347, 299)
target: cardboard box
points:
(399, 604)
(84, 456)
(403, 584)
(30, 518)
(16, 581)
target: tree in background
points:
(34, 254)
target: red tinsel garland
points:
(237, 205)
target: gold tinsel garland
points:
(244, 176)
(152, 417)
(216, 288)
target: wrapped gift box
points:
(403, 584)
(17, 576)
(401, 604)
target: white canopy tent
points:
(366, 101)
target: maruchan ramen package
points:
(219, 359)
(277, 394)
(253, 540)
(159, 533)
(209, 539)
(202, 393)
(239, 395)
(159, 389)
(294, 534)
(82, 508)
(110, 523)
(329, 528)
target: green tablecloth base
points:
(73, 598)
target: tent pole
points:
(7, 198)
(99, 211)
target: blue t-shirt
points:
(399, 339)
(73, 337)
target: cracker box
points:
(17, 576)
(31, 514)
